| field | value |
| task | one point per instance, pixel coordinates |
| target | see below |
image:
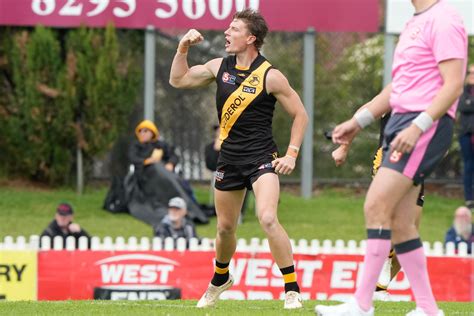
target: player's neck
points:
(245, 59)
(423, 5)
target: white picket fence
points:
(254, 245)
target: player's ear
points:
(251, 39)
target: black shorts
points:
(429, 150)
(377, 162)
(231, 177)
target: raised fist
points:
(192, 37)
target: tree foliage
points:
(62, 90)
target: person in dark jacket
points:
(211, 151)
(175, 224)
(466, 136)
(63, 225)
(149, 149)
(462, 229)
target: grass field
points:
(331, 214)
(186, 307)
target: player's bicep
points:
(197, 76)
(201, 75)
(278, 85)
(452, 71)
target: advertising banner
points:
(18, 271)
(171, 275)
(282, 15)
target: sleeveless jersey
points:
(245, 112)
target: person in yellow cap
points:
(149, 149)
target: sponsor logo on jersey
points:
(228, 78)
(219, 175)
(254, 80)
(267, 165)
(247, 89)
(231, 109)
(395, 156)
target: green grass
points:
(331, 214)
(186, 307)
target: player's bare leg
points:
(267, 192)
(228, 205)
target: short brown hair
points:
(255, 23)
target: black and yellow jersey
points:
(245, 111)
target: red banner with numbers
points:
(170, 275)
(282, 15)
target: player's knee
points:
(268, 220)
(376, 213)
(371, 208)
(400, 226)
(225, 228)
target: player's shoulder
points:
(276, 80)
(214, 64)
(446, 16)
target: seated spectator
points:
(211, 151)
(150, 149)
(462, 228)
(175, 224)
(63, 225)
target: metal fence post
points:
(150, 58)
(308, 100)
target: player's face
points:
(237, 37)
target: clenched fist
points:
(192, 37)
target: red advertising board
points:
(159, 275)
(283, 15)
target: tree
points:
(60, 95)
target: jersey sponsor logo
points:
(228, 78)
(395, 156)
(267, 165)
(219, 175)
(231, 109)
(247, 89)
(254, 80)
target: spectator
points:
(64, 226)
(466, 135)
(175, 224)
(211, 151)
(150, 149)
(462, 228)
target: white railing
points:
(302, 246)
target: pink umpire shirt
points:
(430, 37)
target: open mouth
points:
(227, 43)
